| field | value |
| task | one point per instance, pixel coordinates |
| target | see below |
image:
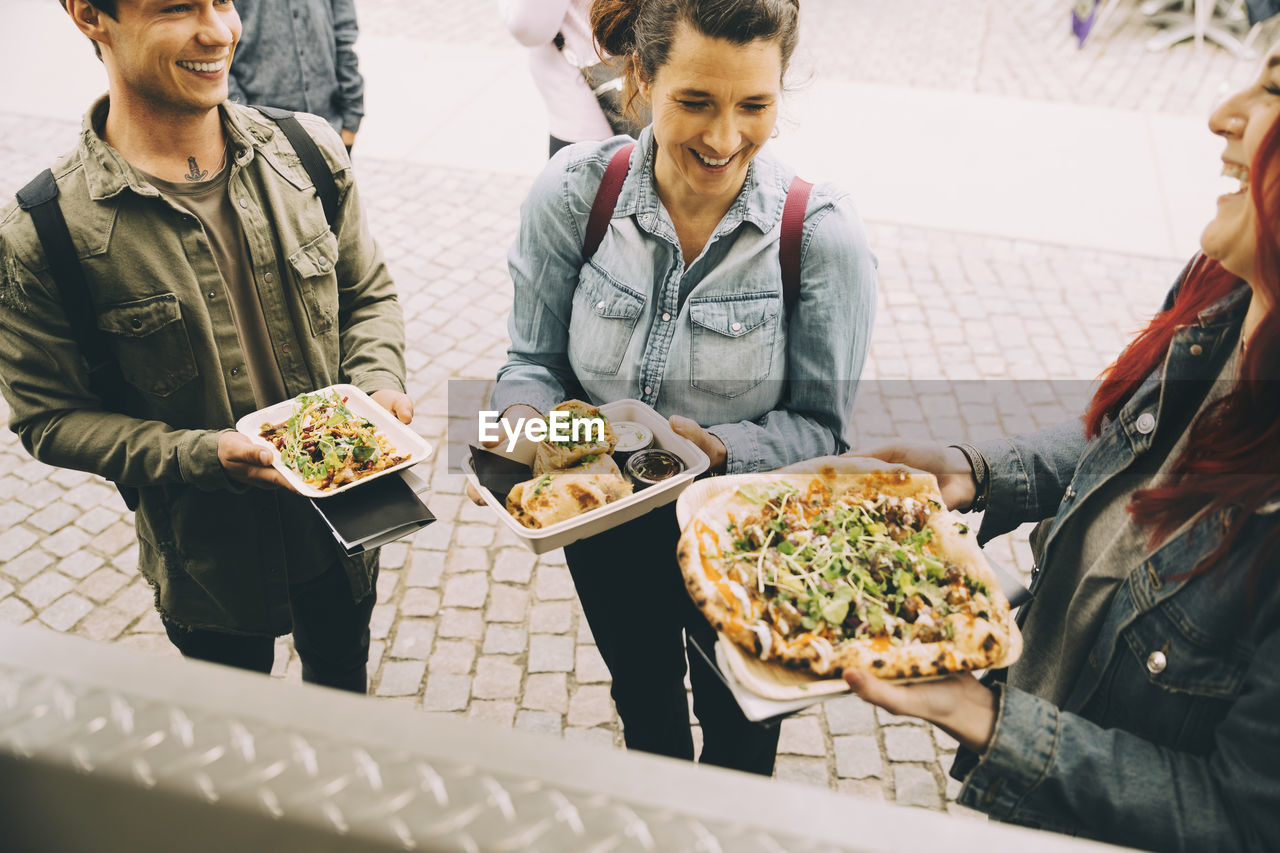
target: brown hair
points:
(643, 31)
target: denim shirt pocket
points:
(317, 281)
(733, 342)
(605, 314)
(151, 343)
(1175, 678)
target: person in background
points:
(554, 30)
(300, 55)
(683, 307)
(1143, 710)
(219, 287)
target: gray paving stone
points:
(462, 624)
(915, 786)
(386, 586)
(594, 736)
(452, 656)
(551, 653)
(413, 639)
(81, 564)
(135, 599)
(871, 789)
(6, 588)
(45, 589)
(514, 565)
(102, 585)
(857, 756)
(507, 604)
(546, 692)
(401, 678)
(97, 520)
(64, 613)
(539, 722)
(590, 706)
(849, 716)
(104, 624)
(497, 678)
(446, 692)
(426, 569)
(458, 560)
(27, 565)
(474, 535)
(499, 711)
(909, 743)
(14, 611)
(466, 590)
(589, 666)
(418, 601)
(66, 541)
(114, 539)
(944, 741)
(802, 736)
(383, 617)
(14, 541)
(805, 771)
(394, 555)
(505, 640)
(551, 617)
(553, 583)
(53, 517)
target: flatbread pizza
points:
(844, 562)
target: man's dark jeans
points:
(330, 632)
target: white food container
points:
(611, 515)
(404, 440)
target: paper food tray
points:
(777, 682)
(611, 515)
(402, 438)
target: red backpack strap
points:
(606, 200)
(792, 237)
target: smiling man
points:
(215, 281)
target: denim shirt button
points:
(1145, 423)
(666, 318)
(648, 389)
(737, 327)
(1156, 662)
(600, 305)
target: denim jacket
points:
(713, 341)
(300, 55)
(1170, 737)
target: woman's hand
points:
(511, 415)
(960, 705)
(708, 442)
(948, 464)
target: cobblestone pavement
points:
(470, 623)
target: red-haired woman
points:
(1145, 709)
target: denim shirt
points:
(300, 55)
(712, 341)
(1170, 736)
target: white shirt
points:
(572, 111)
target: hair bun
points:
(613, 23)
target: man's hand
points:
(710, 443)
(400, 405)
(948, 464)
(247, 462)
(348, 138)
(959, 705)
(510, 415)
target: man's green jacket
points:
(218, 554)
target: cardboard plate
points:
(769, 679)
(611, 515)
(404, 440)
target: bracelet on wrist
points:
(981, 475)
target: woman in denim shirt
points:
(681, 307)
(1145, 709)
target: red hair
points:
(1232, 454)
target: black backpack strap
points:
(312, 160)
(40, 199)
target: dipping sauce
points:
(647, 467)
(632, 437)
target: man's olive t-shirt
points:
(210, 202)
